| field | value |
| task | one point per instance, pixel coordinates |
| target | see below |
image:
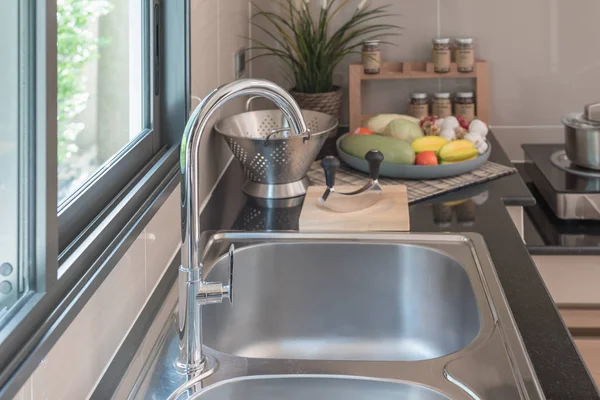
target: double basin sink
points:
(351, 316)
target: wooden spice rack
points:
(415, 70)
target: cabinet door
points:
(590, 352)
(516, 215)
(571, 280)
(582, 321)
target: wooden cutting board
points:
(388, 214)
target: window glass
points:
(13, 105)
(99, 85)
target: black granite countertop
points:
(480, 209)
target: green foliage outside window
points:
(77, 45)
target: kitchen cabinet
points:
(589, 348)
(573, 284)
(516, 215)
(571, 280)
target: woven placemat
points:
(417, 189)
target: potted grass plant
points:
(310, 47)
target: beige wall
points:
(544, 61)
(218, 30)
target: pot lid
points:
(588, 119)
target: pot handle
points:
(592, 112)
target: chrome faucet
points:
(194, 292)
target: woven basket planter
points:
(328, 103)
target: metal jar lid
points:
(371, 42)
(588, 119)
(441, 41)
(464, 95)
(441, 95)
(418, 96)
(464, 41)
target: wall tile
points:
(542, 61)
(511, 139)
(25, 392)
(163, 238)
(95, 334)
(165, 312)
(129, 378)
(204, 31)
(217, 27)
(233, 33)
(419, 22)
(265, 67)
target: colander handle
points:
(305, 137)
(250, 101)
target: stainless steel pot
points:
(582, 137)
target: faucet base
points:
(206, 367)
(276, 191)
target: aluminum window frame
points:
(81, 206)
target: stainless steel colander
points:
(275, 159)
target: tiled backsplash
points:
(543, 60)
(218, 29)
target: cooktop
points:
(553, 164)
(570, 191)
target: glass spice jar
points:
(441, 56)
(418, 106)
(464, 104)
(371, 57)
(441, 106)
(465, 55)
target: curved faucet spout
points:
(191, 276)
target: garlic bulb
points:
(474, 138)
(460, 132)
(439, 122)
(479, 127)
(450, 123)
(448, 134)
(483, 147)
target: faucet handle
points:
(230, 283)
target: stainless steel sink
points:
(343, 301)
(355, 316)
(302, 387)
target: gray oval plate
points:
(414, 171)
